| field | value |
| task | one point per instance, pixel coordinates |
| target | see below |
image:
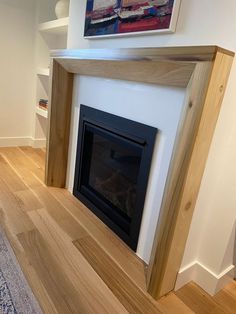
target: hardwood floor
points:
(72, 261)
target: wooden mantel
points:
(204, 72)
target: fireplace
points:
(112, 167)
(198, 70)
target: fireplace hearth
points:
(112, 167)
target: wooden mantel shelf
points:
(203, 71)
(191, 53)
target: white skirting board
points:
(204, 277)
(38, 143)
(22, 141)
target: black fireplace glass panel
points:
(113, 169)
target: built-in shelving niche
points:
(51, 34)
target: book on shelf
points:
(43, 104)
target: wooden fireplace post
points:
(61, 82)
(182, 188)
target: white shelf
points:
(43, 71)
(42, 112)
(59, 26)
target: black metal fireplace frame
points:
(142, 135)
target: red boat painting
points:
(111, 17)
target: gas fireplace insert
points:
(112, 167)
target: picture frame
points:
(118, 18)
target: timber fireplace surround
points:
(204, 72)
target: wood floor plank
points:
(35, 281)
(25, 197)
(93, 295)
(13, 211)
(171, 304)
(103, 275)
(231, 289)
(30, 274)
(227, 298)
(59, 214)
(29, 199)
(59, 287)
(37, 286)
(132, 297)
(30, 173)
(9, 176)
(198, 300)
(37, 155)
(124, 256)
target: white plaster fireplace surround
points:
(197, 75)
(150, 104)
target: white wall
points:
(46, 10)
(17, 31)
(141, 103)
(201, 22)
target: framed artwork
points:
(107, 18)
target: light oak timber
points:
(25, 168)
(23, 196)
(51, 273)
(83, 219)
(188, 126)
(177, 227)
(36, 154)
(59, 127)
(227, 301)
(76, 268)
(156, 59)
(194, 53)
(29, 199)
(133, 299)
(59, 214)
(33, 279)
(61, 219)
(167, 73)
(149, 65)
(12, 211)
(197, 69)
(173, 305)
(231, 289)
(117, 250)
(46, 255)
(36, 285)
(13, 208)
(199, 301)
(8, 174)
